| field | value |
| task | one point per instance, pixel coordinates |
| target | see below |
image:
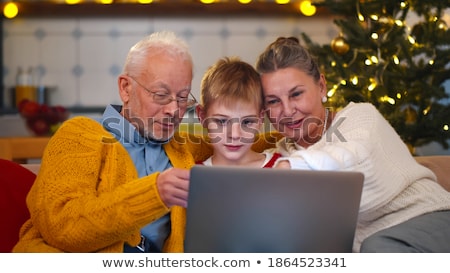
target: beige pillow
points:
(32, 167)
(440, 165)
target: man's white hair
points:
(155, 43)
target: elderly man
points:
(121, 183)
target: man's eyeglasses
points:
(163, 98)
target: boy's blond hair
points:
(231, 80)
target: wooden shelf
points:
(162, 9)
(20, 149)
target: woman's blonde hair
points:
(287, 52)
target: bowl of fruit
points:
(42, 119)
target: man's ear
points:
(201, 114)
(124, 84)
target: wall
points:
(80, 59)
(83, 57)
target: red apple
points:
(30, 108)
(22, 104)
(39, 126)
(50, 115)
(61, 112)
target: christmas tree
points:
(394, 54)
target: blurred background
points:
(74, 50)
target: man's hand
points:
(173, 186)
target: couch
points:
(15, 182)
(15, 189)
(440, 165)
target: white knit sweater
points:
(396, 187)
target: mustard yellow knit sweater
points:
(88, 198)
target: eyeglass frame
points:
(190, 102)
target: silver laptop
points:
(249, 210)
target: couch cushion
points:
(440, 165)
(15, 182)
(34, 168)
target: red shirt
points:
(269, 164)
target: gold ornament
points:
(410, 115)
(339, 45)
(411, 148)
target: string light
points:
(282, 2)
(10, 10)
(307, 8)
(360, 16)
(387, 99)
(374, 59)
(72, 2)
(145, 1)
(442, 25)
(374, 36)
(372, 84)
(395, 59)
(331, 92)
(445, 127)
(399, 23)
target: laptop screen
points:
(271, 210)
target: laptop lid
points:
(271, 210)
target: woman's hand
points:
(283, 164)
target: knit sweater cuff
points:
(144, 202)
